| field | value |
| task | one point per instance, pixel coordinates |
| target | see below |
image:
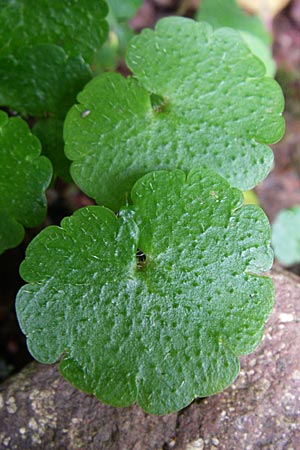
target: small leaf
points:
(218, 110)
(41, 79)
(155, 306)
(286, 236)
(78, 27)
(24, 176)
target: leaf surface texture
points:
(155, 306)
(198, 98)
(24, 176)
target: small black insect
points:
(140, 258)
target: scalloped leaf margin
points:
(198, 98)
(24, 177)
(159, 330)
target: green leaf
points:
(24, 176)
(50, 133)
(227, 13)
(41, 79)
(286, 236)
(216, 110)
(78, 27)
(155, 306)
(262, 51)
(45, 49)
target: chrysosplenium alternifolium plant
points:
(168, 148)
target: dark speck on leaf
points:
(140, 258)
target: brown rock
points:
(39, 410)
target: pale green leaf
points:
(262, 51)
(227, 13)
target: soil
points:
(281, 188)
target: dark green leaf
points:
(24, 176)
(45, 49)
(41, 79)
(78, 27)
(155, 306)
(286, 236)
(217, 110)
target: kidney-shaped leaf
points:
(24, 176)
(198, 98)
(155, 306)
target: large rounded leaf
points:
(198, 98)
(155, 306)
(24, 176)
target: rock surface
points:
(261, 410)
